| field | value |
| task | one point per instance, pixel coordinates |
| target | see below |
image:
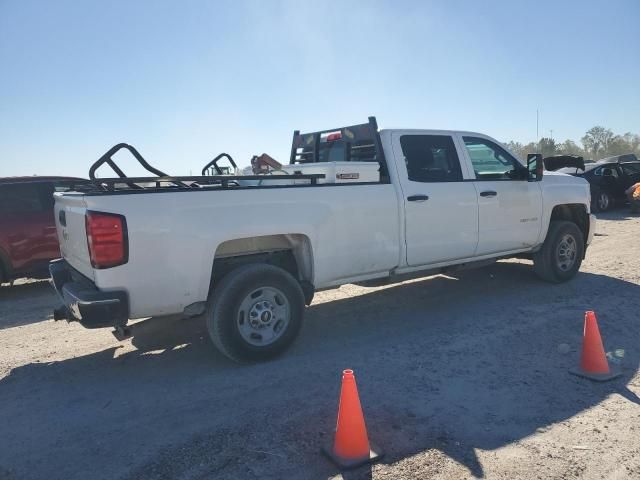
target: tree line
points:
(597, 143)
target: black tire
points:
(549, 263)
(601, 201)
(226, 315)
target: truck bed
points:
(174, 234)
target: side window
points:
(607, 171)
(631, 168)
(492, 162)
(431, 158)
(20, 198)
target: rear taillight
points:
(107, 239)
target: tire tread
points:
(227, 288)
(543, 262)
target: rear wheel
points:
(561, 255)
(255, 312)
(603, 201)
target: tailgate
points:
(70, 209)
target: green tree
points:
(633, 140)
(617, 146)
(569, 147)
(547, 146)
(516, 148)
(520, 150)
(596, 141)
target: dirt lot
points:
(460, 377)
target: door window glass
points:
(631, 168)
(20, 198)
(492, 162)
(431, 158)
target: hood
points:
(557, 162)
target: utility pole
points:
(551, 132)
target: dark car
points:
(28, 239)
(609, 178)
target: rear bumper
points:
(83, 302)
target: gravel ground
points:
(459, 377)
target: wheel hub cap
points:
(604, 201)
(263, 316)
(566, 253)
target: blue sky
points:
(185, 80)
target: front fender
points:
(562, 190)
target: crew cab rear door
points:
(441, 209)
(510, 207)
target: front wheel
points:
(255, 312)
(561, 255)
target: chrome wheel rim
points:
(603, 201)
(567, 252)
(263, 316)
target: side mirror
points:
(535, 166)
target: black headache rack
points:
(355, 143)
(213, 166)
(163, 182)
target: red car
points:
(28, 239)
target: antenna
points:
(537, 127)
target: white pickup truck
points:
(354, 204)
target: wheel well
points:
(576, 213)
(282, 258)
(290, 252)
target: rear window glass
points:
(337, 151)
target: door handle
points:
(488, 193)
(417, 198)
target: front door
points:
(510, 207)
(441, 209)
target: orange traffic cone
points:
(351, 447)
(593, 361)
